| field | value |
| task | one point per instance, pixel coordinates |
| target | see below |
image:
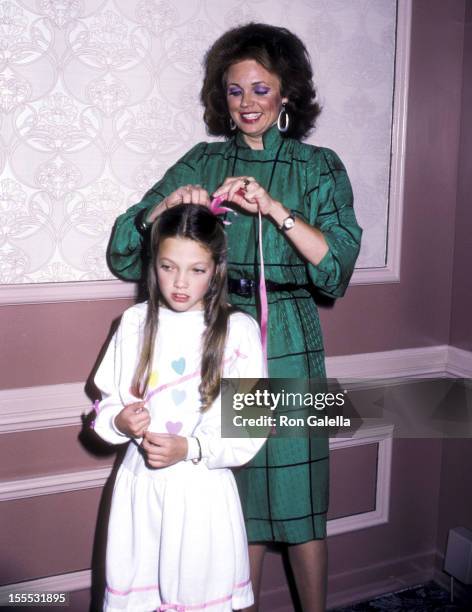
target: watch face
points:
(288, 223)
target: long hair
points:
(197, 223)
(280, 52)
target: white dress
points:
(176, 535)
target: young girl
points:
(176, 536)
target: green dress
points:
(284, 490)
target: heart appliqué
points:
(178, 365)
(174, 428)
(153, 379)
(178, 395)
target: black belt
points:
(246, 287)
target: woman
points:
(258, 93)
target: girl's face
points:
(254, 100)
(184, 272)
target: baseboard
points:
(459, 362)
(61, 583)
(371, 581)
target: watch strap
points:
(284, 227)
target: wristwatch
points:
(287, 223)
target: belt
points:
(246, 287)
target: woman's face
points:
(254, 100)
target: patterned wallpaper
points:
(99, 97)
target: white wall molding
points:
(43, 407)
(382, 435)
(44, 293)
(52, 484)
(390, 273)
(423, 361)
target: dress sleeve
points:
(329, 201)
(126, 248)
(114, 375)
(246, 360)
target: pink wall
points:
(55, 538)
(53, 343)
(461, 322)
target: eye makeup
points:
(261, 90)
(258, 89)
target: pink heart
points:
(174, 428)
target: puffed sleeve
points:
(245, 360)
(114, 376)
(125, 250)
(329, 203)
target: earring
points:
(283, 113)
(232, 125)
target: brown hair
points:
(197, 223)
(281, 53)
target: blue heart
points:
(178, 395)
(179, 365)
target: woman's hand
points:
(133, 420)
(246, 192)
(163, 449)
(189, 194)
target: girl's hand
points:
(133, 420)
(189, 194)
(163, 449)
(246, 192)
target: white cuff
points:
(115, 428)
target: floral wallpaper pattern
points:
(99, 97)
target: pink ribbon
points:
(216, 209)
(96, 408)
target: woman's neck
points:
(255, 143)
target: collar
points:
(271, 140)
